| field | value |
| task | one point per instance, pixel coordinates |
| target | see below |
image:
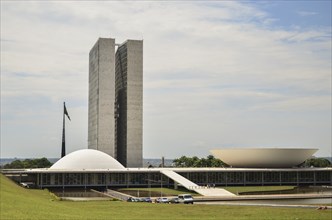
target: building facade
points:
(154, 177)
(101, 97)
(116, 100)
(129, 103)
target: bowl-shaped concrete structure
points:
(263, 157)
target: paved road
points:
(267, 205)
(262, 197)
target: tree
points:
(29, 163)
(210, 161)
(16, 164)
(317, 162)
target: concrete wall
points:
(102, 96)
(129, 96)
(121, 103)
(116, 100)
(135, 103)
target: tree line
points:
(317, 162)
(209, 161)
(28, 163)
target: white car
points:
(162, 200)
(25, 185)
(186, 199)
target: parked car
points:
(147, 199)
(140, 199)
(174, 200)
(162, 200)
(25, 185)
(186, 199)
(131, 199)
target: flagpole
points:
(63, 150)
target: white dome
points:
(87, 159)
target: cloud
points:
(210, 69)
(306, 13)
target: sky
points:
(217, 74)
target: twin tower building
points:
(116, 100)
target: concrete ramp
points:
(205, 191)
(179, 179)
(213, 192)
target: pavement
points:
(213, 192)
(318, 207)
(203, 190)
(262, 197)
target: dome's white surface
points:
(263, 157)
(87, 159)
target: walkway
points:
(205, 191)
(318, 207)
(263, 197)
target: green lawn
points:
(19, 203)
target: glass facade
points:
(219, 178)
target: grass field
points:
(19, 203)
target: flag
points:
(65, 111)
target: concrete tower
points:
(116, 100)
(129, 103)
(102, 96)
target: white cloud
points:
(306, 13)
(205, 64)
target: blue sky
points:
(217, 74)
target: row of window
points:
(100, 179)
(201, 178)
(258, 177)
